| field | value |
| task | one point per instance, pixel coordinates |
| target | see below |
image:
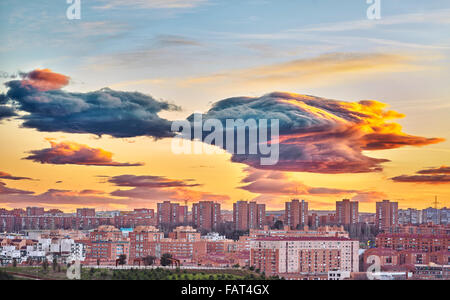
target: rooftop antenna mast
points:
(436, 203)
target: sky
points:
(86, 104)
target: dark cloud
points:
(441, 170)
(3, 99)
(6, 112)
(9, 191)
(103, 112)
(149, 182)
(159, 187)
(75, 154)
(91, 192)
(431, 176)
(55, 198)
(60, 198)
(173, 194)
(430, 179)
(8, 176)
(320, 135)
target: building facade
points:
(296, 213)
(347, 212)
(387, 215)
(304, 255)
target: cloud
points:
(275, 188)
(321, 69)
(6, 112)
(91, 192)
(44, 80)
(103, 112)
(319, 135)
(54, 198)
(431, 179)
(75, 154)
(439, 17)
(430, 176)
(158, 4)
(173, 194)
(441, 170)
(149, 181)
(277, 183)
(8, 176)
(9, 191)
(69, 200)
(369, 196)
(159, 187)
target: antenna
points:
(436, 203)
(186, 201)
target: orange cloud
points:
(321, 135)
(45, 80)
(75, 154)
(8, 176)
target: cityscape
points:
(224, 147)
(295, 244)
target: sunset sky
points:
(86, 105)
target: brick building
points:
(304, 255)
(206, 215)
(387, 215)
(347, 212)
(296, 213)
(248, 215)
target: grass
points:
(134, 274)
(39, 272)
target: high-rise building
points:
(35, 211)
(409, 216)
(206, 215)
(85, 212)
(347, 212)
(171, 213)
(386, 215)
(240, 215)
(296, 213)
(248, 215)
(261, 216)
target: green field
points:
(134, 274)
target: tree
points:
(14, 263)
(278, 225)
(5, 276)
(166, 259)
(122, 259)
(45, 264)
(149, 260)
(54, 264)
